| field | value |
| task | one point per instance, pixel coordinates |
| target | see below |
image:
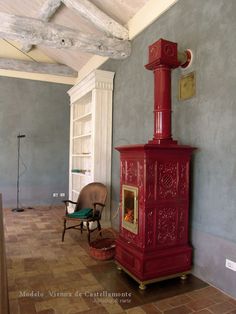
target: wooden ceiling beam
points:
(37, 67)
(98, 18)
(36, 32)
(48, 9)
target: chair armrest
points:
(98, 212)
(66, 204)
(68, 201)
(95, 204)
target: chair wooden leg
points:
(64, 230)
(87, 224)
(81, 227)
(99, 227)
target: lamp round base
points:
(17, 210)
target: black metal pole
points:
(18, 209)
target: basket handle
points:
(106, 229)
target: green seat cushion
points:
(82, 214)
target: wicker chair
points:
(88, 209)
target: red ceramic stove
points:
(153, 242)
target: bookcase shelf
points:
(82, 135)
(85, 116)
(82, 155)
(80, 174)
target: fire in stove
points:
(130, 208)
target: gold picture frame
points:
(187, 86)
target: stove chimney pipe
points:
(163, 57)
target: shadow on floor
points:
(115, 281)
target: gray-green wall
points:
(41, 111)
(207, 122)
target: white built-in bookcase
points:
(91, 133)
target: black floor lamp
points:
(18, 209)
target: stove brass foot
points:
(183, 277)
(142, 286)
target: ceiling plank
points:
(37, 67)
(48, 9)
(98, 18)
(37, 32)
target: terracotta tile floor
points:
(47, 276)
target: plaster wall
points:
(39, 110)
(206, 121)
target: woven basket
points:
(103, 247)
